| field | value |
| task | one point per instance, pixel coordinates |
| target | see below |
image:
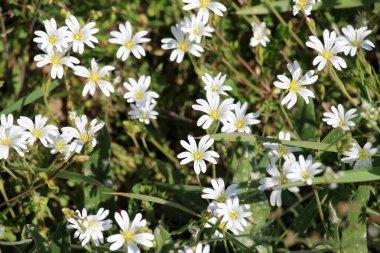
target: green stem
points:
(9, 172)
(320, 210)
(163, 150)
(340, 84)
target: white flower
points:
(130, 234)
(11, 137)
(196, 27)
(279, 150)
(83, 133)
(53, 37)
(6, 120)
(296, 85)
(328, 51)
(60, 144)
(260, 34)
(233, 214)
(239, 121)
(337, 118)
(354, 39)
(222, 226)
(361, 156)
(278, 177)
(215, 85)
(214, 110)
(143, 113)
(129, 42)
(303, 5)
(181, 45)
(198, 153)
(37, 129)
(81, 35)
(57, 59)
(90, 227)
(138, 91)
(198, 249)
(95, 76)
(305, 170)
(219, 193)
(204, 6)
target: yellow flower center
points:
(342, 122)
(239, 123)
(55, 60)
(36, 133)
(294, 86)
(5, 142)
(128, 44)
(91, 225)
(327, 54)
(197, 31)
(84, 138)
(363, 154)
(214, 89)
(183, 46)
(222, 224)
(52, 39)
(356, 43)
(281, 151)
(284, 180)
(306, 175)
(221, 198)
(204, 3)
(233, 215)
(139, 95)
(94, 77)
(214, 114)
(143, 116)
(78, 37)
(197, 156)
(59, 146)
(128, 235)
(302, 4)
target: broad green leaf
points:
(334, 136)
(70, 175)
(286, 6)
(354, 237)
(98, 167)
(40, 244)
(306, 120)
(28, 99)
(164, 241)
(61, 240)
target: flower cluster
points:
(189, 32)
(23, 137)
(90, 228)
(234, 118)
(224, 209)
(284, 168)
(142, 100)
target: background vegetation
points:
(138, 159)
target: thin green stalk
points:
(5, 196)
(163, 150)
(340, 84)
(9, 172)
(320, 210)
(282, 21)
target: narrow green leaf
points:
(61, 240)
(70, 175)
(354, 238)
(286, 6)
(306, 120)
(351, 176)
(30, 98)
(155, 200)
